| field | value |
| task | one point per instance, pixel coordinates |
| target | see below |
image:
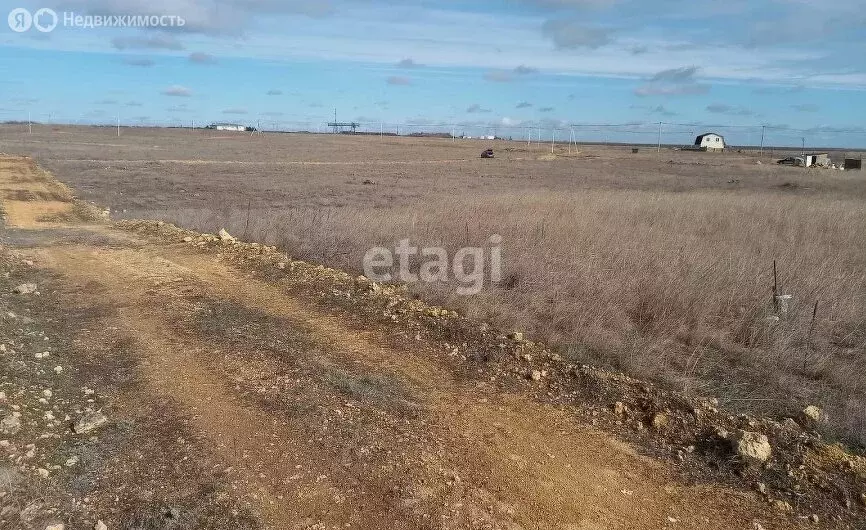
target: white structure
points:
(710, 142)
(229, 127)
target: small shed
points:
(710, 142)
(818, 160)
(853, 164)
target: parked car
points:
(792, 161)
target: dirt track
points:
(314, 423)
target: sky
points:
(795, 67)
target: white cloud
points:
(177, 91)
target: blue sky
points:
(798, 66)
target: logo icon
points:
(20, 20)
(45, 20)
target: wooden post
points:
(775, 288)
(812, 325)
(247, 226)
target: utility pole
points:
(552, 141)
(118, 125)
(29, 123)
(659, 150)
(762, 139)
(805, 162)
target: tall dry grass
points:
(674, 287)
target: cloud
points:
(523, 105)
(672, 90)
(133, 104)
(273, 113)
(274, 92)
(546, 109)
(673, 82)
(178, 108)
(775, 89)
(571, 34)
(138, 61)
(156, 42)
(235, 111)
(830, 129)
(408, 63)
(686, 74)
(177, 91)
(475, 108)
(398, 80)
(639, 50)
(506, 76)
(201, 58)
(721, 108)
(661, 110)
(805, 107)
(106, 102)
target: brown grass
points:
(660, 265)
(674, 287)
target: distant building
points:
(710, 142)
(228, 127)
(818, 159)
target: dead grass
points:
(674, 287)
(660, 265)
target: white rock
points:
(47, 393)
(752, 447)
(88, 422)
(100, 525)
(812, 415)
(25, 288)
(71, 461)
(56, 526)
(10, 424)
(58, 369)
(225, 236)
(42, 472)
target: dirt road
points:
(233, 401)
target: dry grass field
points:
(656, 263)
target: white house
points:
(710, 142)
(229, 127)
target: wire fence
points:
(645, 133)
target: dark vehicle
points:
(487, 154)
(791, 161)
